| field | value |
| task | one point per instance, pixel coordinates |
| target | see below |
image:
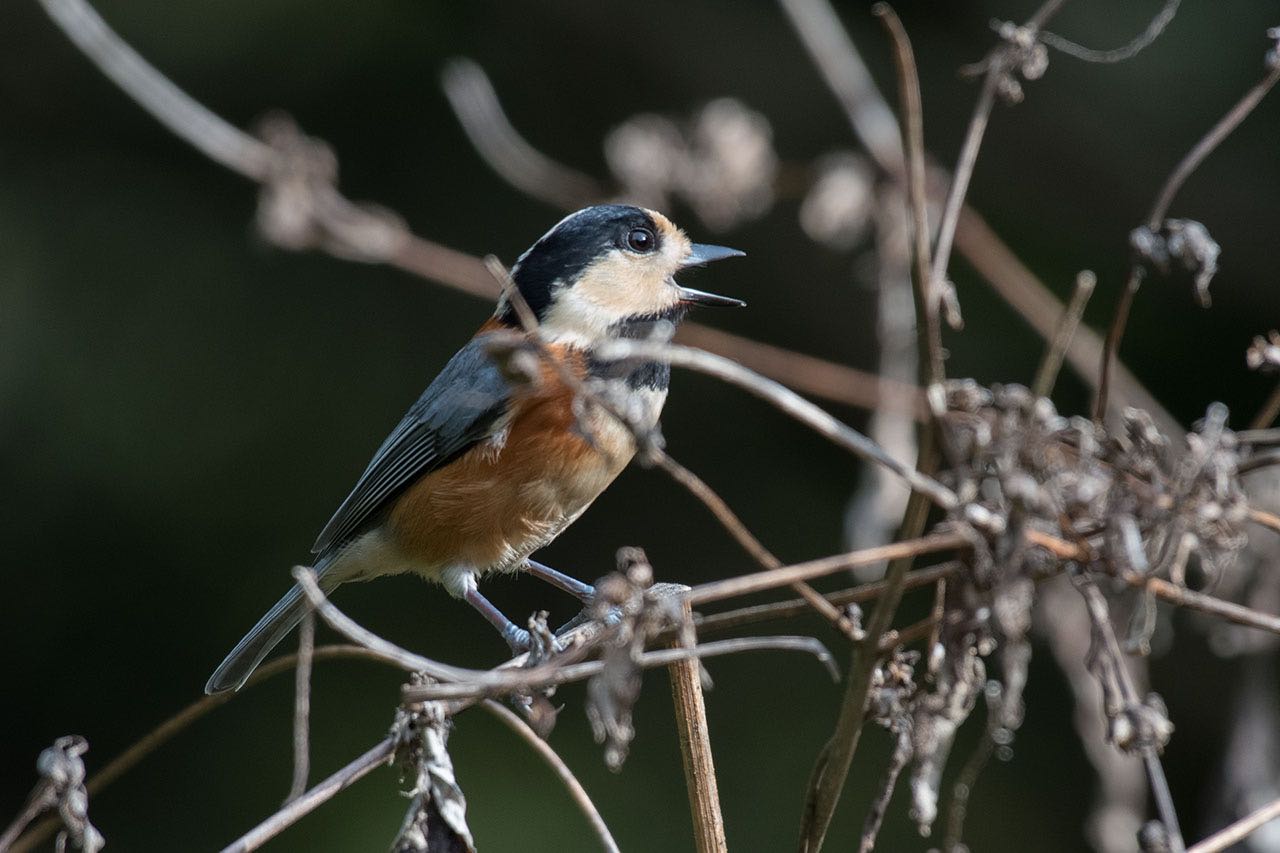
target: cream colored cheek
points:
(624, 286)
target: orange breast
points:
(504, 498)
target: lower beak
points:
(699, 255)
(689, 296)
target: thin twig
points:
(314, 798)
(996, 66)
(926, 296)
(579, 794)
(1202, 149)
(1119, 54)
(1239, 830)
(730, 521)
(785, 400)
(695, 749)
(1210, 141)
(1192, 600)
(302, 707)
(1051, 364)
(761, 581)
(526, 168)
(716, 622)
(1100, 616)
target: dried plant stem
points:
(1100, 616)
(1239, 830)
(302, 707)
(314, 798)
(579, 794)
(1051, 364)
(695, 752)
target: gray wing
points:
(456, 411)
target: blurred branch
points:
(579, 794)
(524, 167)
(840, 64)
(1119, 54)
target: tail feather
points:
(236, 668)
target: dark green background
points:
(181, 407)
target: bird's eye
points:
(641, 240)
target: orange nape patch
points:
(508, 496)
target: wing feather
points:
(458, 410)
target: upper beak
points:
(700, 254)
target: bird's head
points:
(607, 268)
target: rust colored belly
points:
(505, 498)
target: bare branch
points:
(524, 167)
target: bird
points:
(486, 468)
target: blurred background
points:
(181, 406)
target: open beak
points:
(701, 254)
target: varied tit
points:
(484, 470)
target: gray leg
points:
(579, 590)
(517, 638)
